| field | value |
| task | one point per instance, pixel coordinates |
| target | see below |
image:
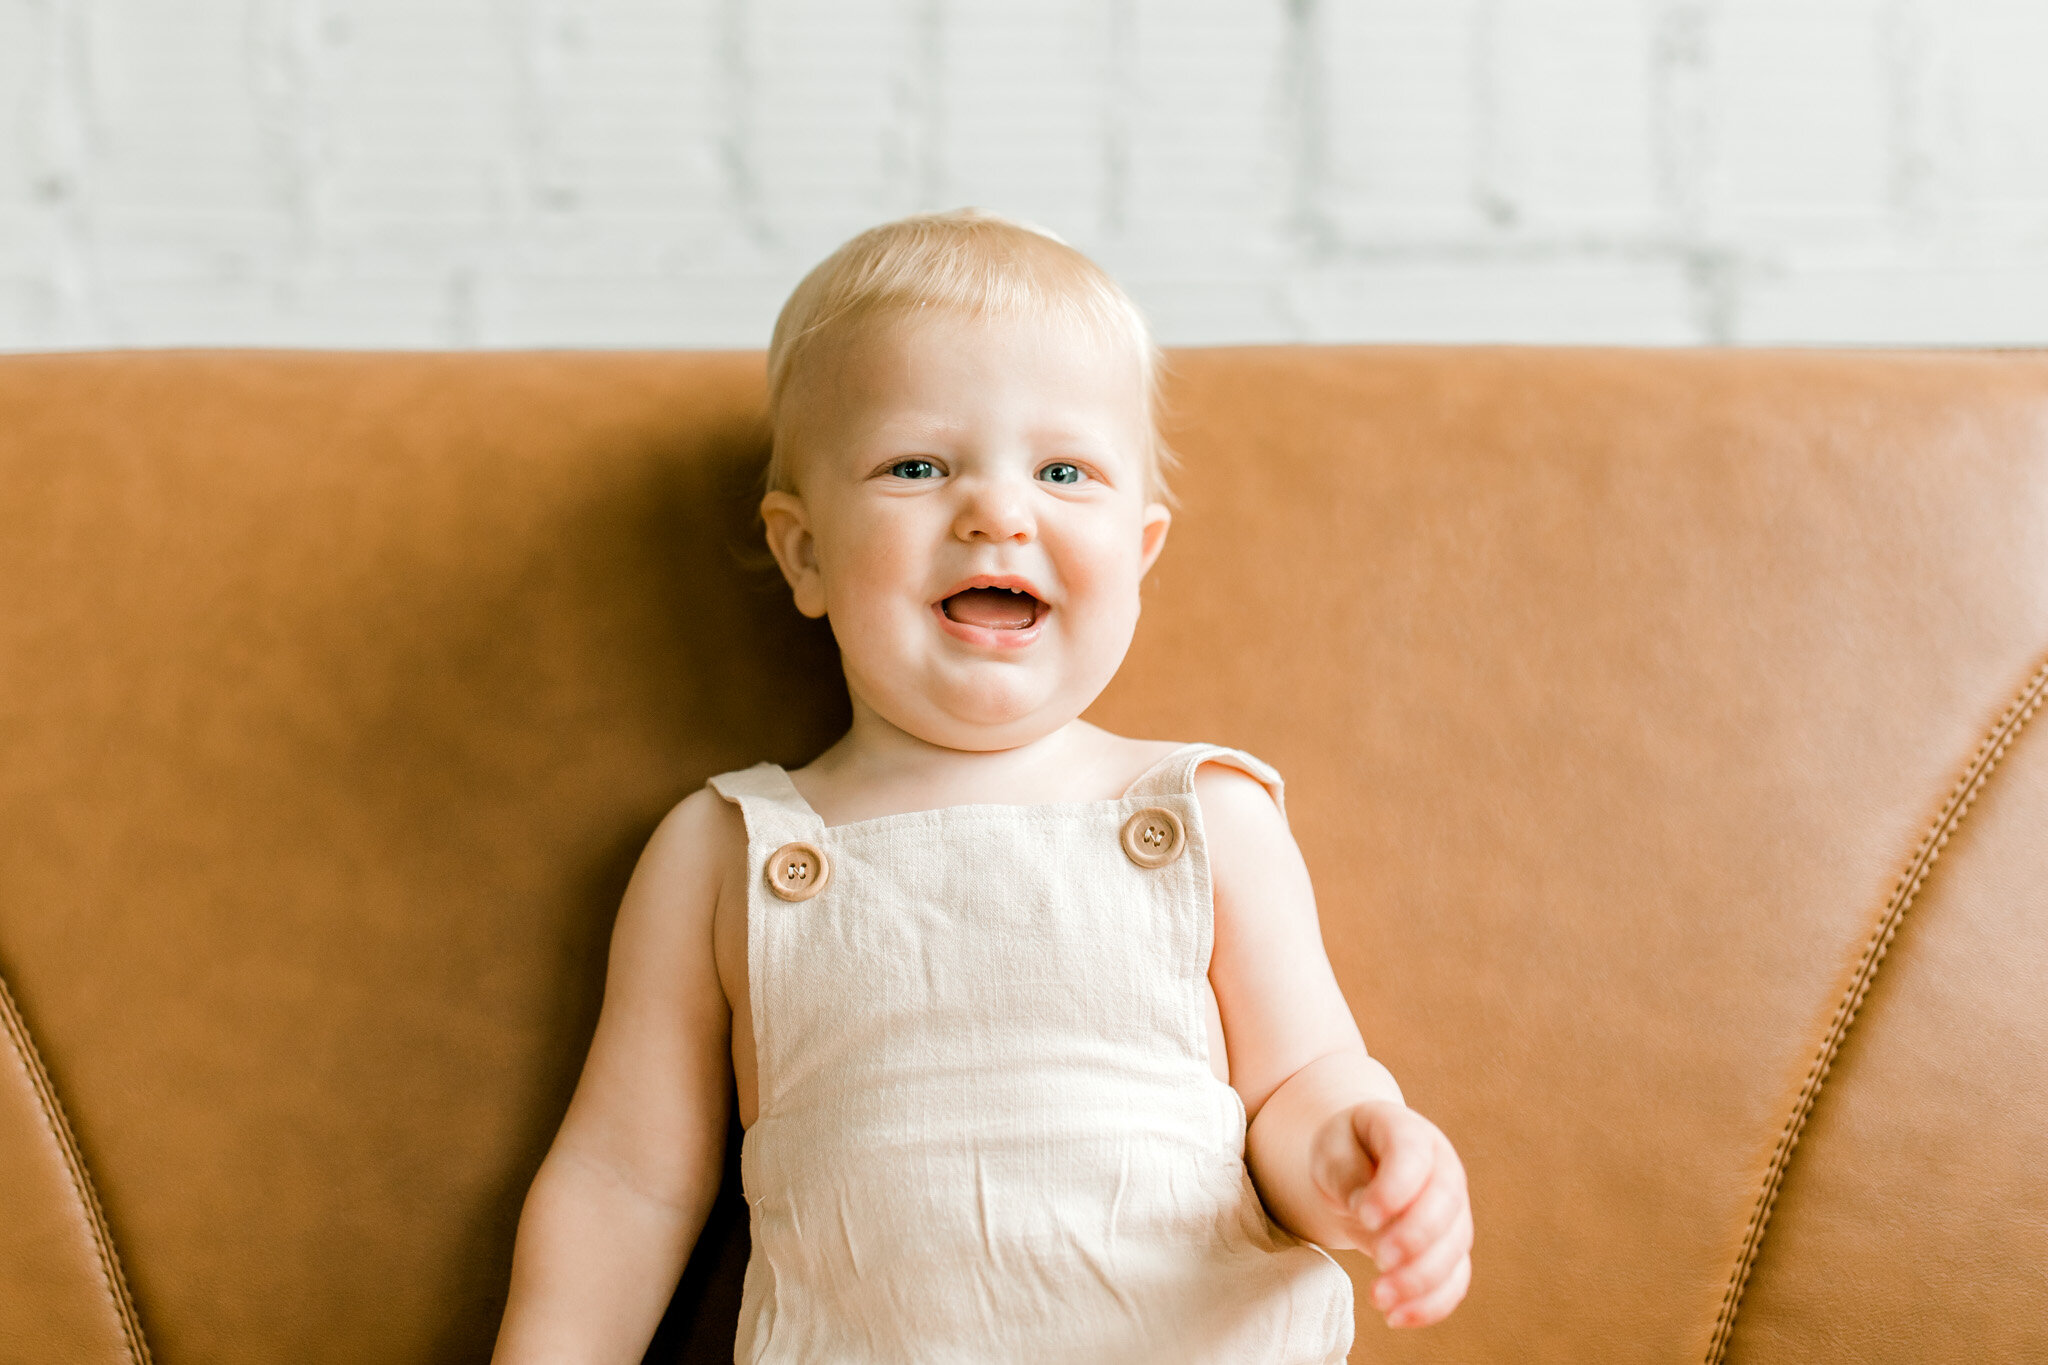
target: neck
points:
(879, 768)
(874, 751)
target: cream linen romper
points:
(988, 1126)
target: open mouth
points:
(994, 608)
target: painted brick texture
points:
(660, 172)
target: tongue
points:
(992, 608)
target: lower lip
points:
(987, 638)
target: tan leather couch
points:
(1656, 726)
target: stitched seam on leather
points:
(1960, 798)
(112, 1279)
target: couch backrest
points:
(1632, 705)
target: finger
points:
(1426, 1269)
(1436, 1305)
(1405, 1159)
(1447, 1163)
(1420, 1226)
(1446, 1157)
(1423, 1221)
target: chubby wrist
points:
(1308, 1115)
(1333, 1084)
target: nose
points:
(994, 509)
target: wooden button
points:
(1153, 837)
(797, 872)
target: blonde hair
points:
(967, 261)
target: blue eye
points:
(1060, 472)
(914, 469)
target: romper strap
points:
(1174, 775)
(769, 802)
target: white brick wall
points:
(659, 172)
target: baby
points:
(1035, 1043)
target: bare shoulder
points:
(1254, 864)
(1237, 808)
(678, 878)
(700, 831)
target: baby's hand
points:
(1398, 1185)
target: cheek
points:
(871, 569)
(1105, 571)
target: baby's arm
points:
(625, 1188)
(1338, 1158)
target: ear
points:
(1153, 538)
(796, 551)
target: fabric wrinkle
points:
(1123, 1181)
(846, 1237)
(987, 1222)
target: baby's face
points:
(972, 513)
